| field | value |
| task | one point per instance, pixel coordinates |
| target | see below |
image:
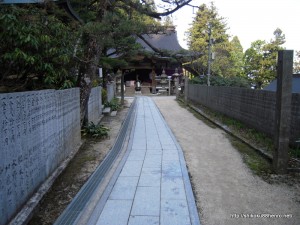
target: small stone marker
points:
(106, 111)
(113, 113)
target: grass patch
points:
(258, 164)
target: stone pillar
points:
(122, 88)
(283, 110)
(186, 88)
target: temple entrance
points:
(142, 74)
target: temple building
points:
(161, 53)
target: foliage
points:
(234, 81)
(104, 95)
(112, 63)
(37, 48)
(261, 59)
(236, 58)
(295, 150)
(114, 104)
(228, 55)
(297, 63)
(95, 131)
(44, 47)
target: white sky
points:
(250, 20)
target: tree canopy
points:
(261, 59)
(228, 54)
(37, 48)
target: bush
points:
(223, 81)
(95, 131)
(114, 104)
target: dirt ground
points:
(227, 192)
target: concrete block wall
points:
(95, 105)
(38, 130)
(255, 108)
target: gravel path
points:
(227, 192)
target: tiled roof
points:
(162, 41)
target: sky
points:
(250, 20)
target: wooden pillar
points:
(283, 110)
(153, 77)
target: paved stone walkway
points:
(153, 186)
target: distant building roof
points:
(162, 41)
(156, 43)
(295, 84)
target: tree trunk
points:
(88, 75)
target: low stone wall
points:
(39, 129)
(255, 108)
(95, 105)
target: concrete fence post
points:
(283, 110)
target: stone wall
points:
(38, 130)
(95, 105)
(255, 108)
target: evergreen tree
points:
(228, 55)
(261, 59)
(253, 58)
(236, 57)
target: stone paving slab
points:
(153, 186)
(141, 220)
(124, 188)
(111, 209)
(146, 202)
